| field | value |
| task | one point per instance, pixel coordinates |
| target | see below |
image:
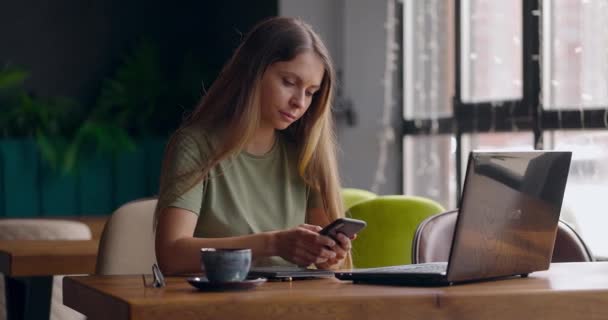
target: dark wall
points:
(69, 46)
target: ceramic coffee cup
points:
(225, 265)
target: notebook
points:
(506, 226)
(288, 273)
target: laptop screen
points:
(509, 210)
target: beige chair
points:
(127, 242)
(433, 240)
(44, 229)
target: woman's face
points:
(288, 88)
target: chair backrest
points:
(433, 240)
(569, 246)
(391, 223)
(353, 196)
(43, 229)
(127, 242)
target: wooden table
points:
(21, 258)
(28, 267)
(566, 291)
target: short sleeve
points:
(182, 185)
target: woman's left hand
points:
(342, 247)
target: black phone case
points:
(347, 226)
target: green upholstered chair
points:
(352, 196)
(392, 221)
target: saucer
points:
(202, 283)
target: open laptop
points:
(506, 226)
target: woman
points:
(254, 166)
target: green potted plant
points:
(43, 140)
(149, 99)
(62, 158)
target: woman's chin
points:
(283, 125)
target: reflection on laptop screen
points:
(508, 213)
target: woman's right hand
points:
(303, 245)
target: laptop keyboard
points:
(436, 267)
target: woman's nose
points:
(299, 99)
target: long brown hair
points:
(232, 108)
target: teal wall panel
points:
(99, 185)
(95, 181)
(20, 183)
(58, 192)
(130, 176)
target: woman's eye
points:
(309, 94)
(287, 82)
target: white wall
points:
(325, 16)
(355, 34)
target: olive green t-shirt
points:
(242, 195)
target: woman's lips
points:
(287, 116)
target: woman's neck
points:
(261, 142)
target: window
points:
(587, 188)
(508, 74)
(491, 43)
(431, 167)
(575, 54)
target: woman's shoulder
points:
(195, 137)
(191, 132)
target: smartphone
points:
(349, 227)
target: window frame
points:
(525, 114)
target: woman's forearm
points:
(183, 255)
